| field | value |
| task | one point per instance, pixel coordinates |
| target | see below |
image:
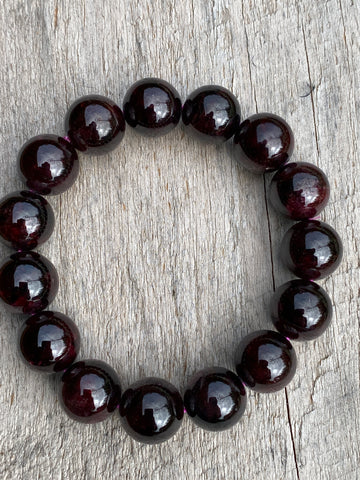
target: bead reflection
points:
(152, 107)
(90, 391)
(50, 159)
(225, 403)
(263, 142)
(311, 250)
(156, 101)
(301, 309)
(99, 119)
(151, 410)
(271, 361)
(95, 124)
(265, 361)
(299, 190)
(28, 282)
(48, 164)
(155, 410)
(49, 341)
(26, 220)
(211, 113)
(215, 398)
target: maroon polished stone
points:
(215, 398)
(299, 190)
(28, 282)
(151, 410)
(211, 113)
(90, 391)
(95, 124)
(265, 361)
(49, 342)
(26, 220)
(48, 164)
(311, 249)
(301, 310)
(152, 107)
(263, 143)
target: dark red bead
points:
(151, 410)
(265, 361)
(311, 250)
(49, 342)
(48, 164)
(28, 282)
(95, 124)
(90, 391)
(301, 310)
(211, 113)
(299, 190)
(26, 220)
(263, 143)
(152, 107)
(215, 398)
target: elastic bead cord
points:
(151, 410)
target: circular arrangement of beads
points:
(151, 410)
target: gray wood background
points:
(163, 247)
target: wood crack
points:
(292, 434)
(269, 233)
(269, 229)
(345, 38)
(274, 286)
(249, 60)
(311, 90)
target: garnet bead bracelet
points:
(151, 410)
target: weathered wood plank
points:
(163, 247)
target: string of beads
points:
(151, 410)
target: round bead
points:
(28, 282)
(151, 410)
(211, 113)
(265, 361)
(26, 220)
(90, 391)
(49, 342)
(301, 310)
(299, 190)
(311, 250)
(48, 164)
(215, 398)
(152, 107)
(263, 143)
(95, 124)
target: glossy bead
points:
(299, 190)
(311, 250)
(95, 124)
(151, 410)
(152, 107)
(263, 143)
(211, 113)
(90, 391)
(49, 342)
(301, 310)
(48, 164)
(26, 220)
(265, 361)
(28, 282)
(215, 398)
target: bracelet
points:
(151, 410)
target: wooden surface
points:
(163, 247)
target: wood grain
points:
(167, 251)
